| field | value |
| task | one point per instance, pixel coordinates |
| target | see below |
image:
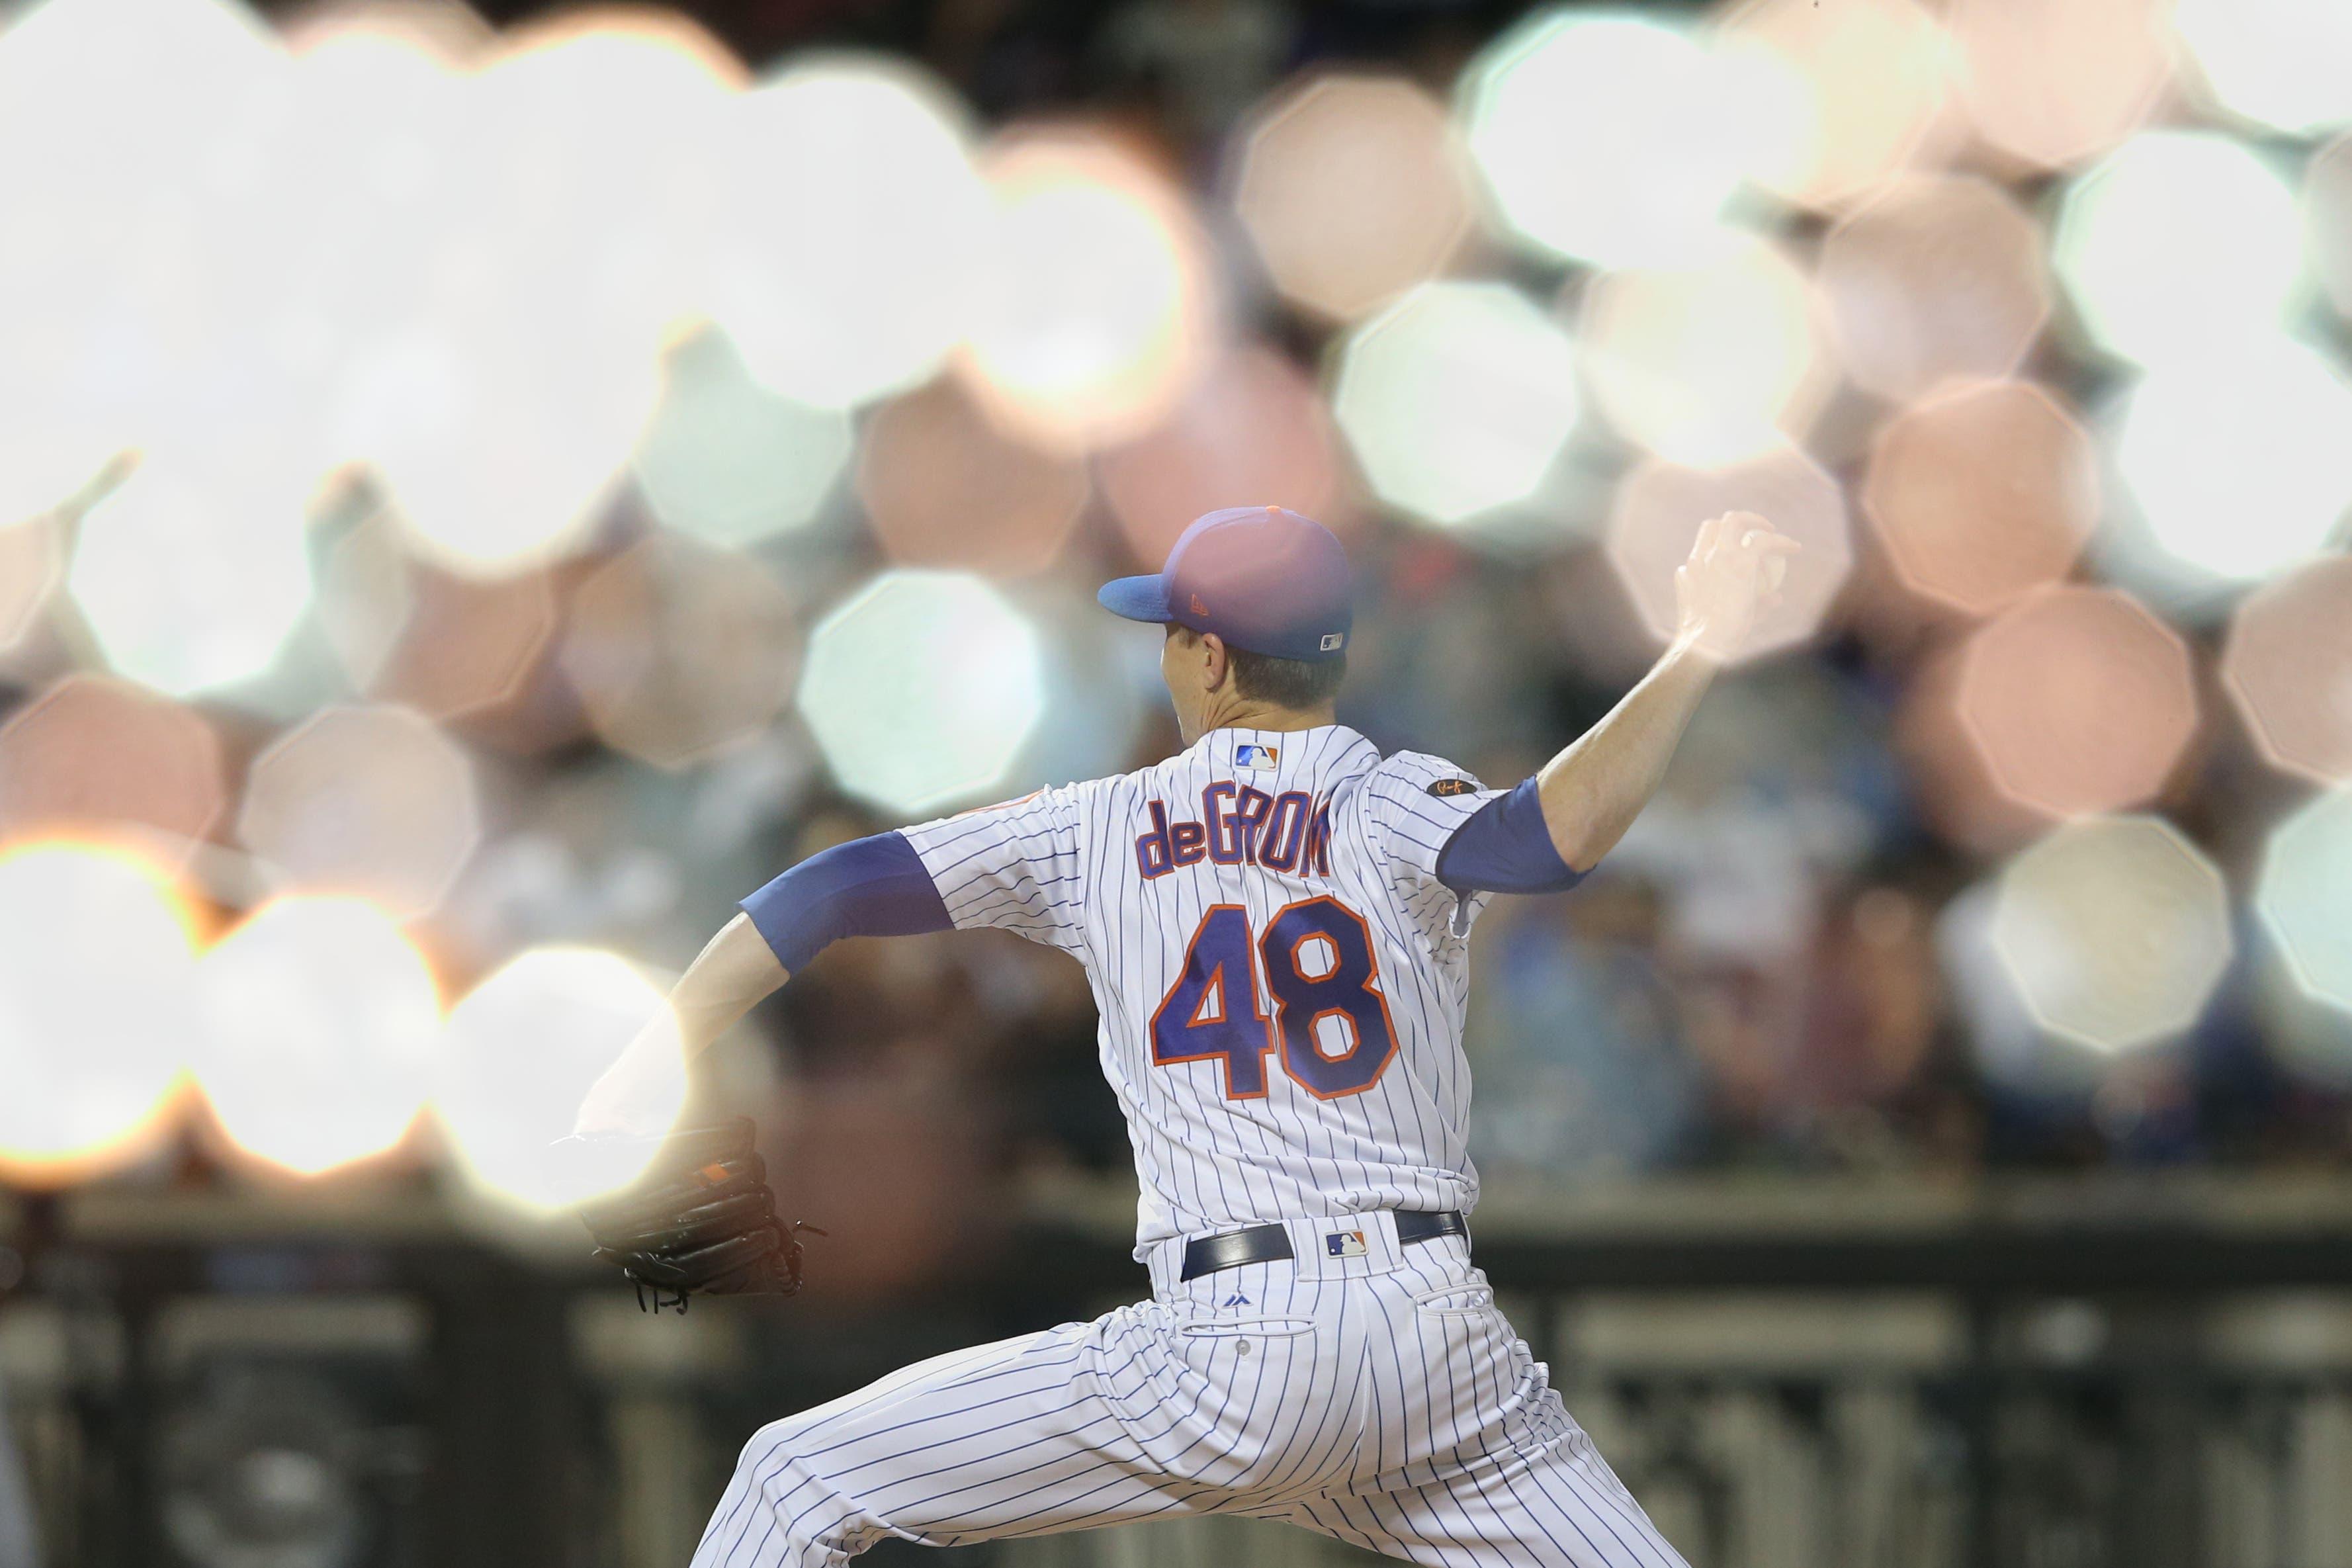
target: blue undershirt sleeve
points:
(868, 887)
(1505, 848)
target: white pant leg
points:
(1149, 1410)
(1475, 1459)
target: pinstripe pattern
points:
(1380, 1398)
(1060, 867)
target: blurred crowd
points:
(1978, 866)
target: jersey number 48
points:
(1329, 1019)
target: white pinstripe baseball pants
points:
(1379, 1398)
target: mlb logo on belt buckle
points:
(1250, 756)
(1345, 1243)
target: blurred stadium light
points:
(2304, 895)
(1874, 75)
(843, 262)
(2178, 243)
(501, 389)
(319, 1029)
(1939, 276)
(2115, 931)
(369, 801)
(96, 755)
(728, 460)
(2078, 700)
(98, 985)
(2288, 668)
(1947, 769)
(1098, 306)
(192, 575)
(2235, 459)
(2284, 63)
(1610, 137)
(1253, 427)
(2328, 221)
(943, 485)
(1457, 399)
(1354, 189)
(1713, 361)
(1982, 492)
(31, 563)
(923, 689)
(680, 651)
(446, 643)
(1658, 513)
(2052, 85)
(516, 1058)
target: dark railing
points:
(1789, 1377)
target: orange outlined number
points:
(1330, 1018)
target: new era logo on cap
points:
(1334, 641)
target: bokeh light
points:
(516, 1058)
(843, 263)
(2052, 85)
(94, 755)
(1613, 139)
(2115, 930)
(2304, 897)
(502, 396)
(1655, 519)
(2288, 668)
(372, 802)
(2078, 700)
(1982, 492)
(2327, 220)
(1709, 363)
(319, 1028)
(943, 485)
(680, 651)
(1874, 75)
(2177, 242)
(466, 645)
(1098, 310)
(1253, 432)
(32, 563)
(96, 989)
(1946, 770)
(1457, 399)
(728, 460)
(2235, 461)
(1939, 276)
(1353, 190)
(2286, 63)
(923, 689)
(192, 579)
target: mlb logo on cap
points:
(1264, 578)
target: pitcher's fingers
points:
(1775, 572)
(1712, 535)
(1771, 541)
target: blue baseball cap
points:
(1263, 578)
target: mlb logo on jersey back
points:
(1345, 1243)
(1261, 759)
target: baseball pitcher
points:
(1276, 924)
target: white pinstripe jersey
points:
(1281, 977)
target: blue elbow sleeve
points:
(1506, 847)
(868, 887)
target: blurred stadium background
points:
(480, 493)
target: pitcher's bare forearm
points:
(734, 973)
(1594, 789)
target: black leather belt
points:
(1271, 1243)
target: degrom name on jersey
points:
(1279, 973)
